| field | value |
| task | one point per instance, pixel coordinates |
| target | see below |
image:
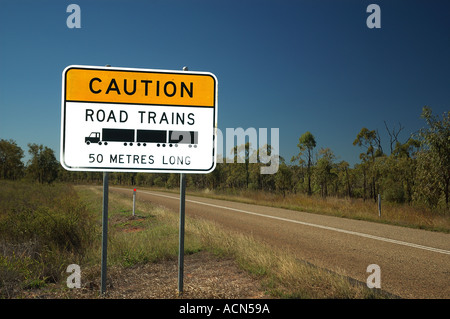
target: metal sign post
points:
(181, 234)
(104, 231)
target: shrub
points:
(43, 228)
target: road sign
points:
(138, 120)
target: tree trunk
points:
(309, 184)
(446, 190)
(348, 183)
(364, 185)
(374, 190)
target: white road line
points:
(437, 250)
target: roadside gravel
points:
(205, 276)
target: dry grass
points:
(391, 213)
(282, 274)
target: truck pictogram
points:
(143, 137)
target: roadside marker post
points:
(379, 205)
(134, 200)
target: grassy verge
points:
(152, 235)
(149, 236)
(46, 228)
(280, 273)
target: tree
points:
(43, 166)
(372, 142)
(244, 149)
(306, 143)
(236, 175)
(344, 177)
(323, 170)
(214, 179)
(362, 169)
(433, 170)
(283, 179)
(11, 166)
(405, 157)
(393, 135)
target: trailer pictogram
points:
(143, 137)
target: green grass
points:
(149, 236)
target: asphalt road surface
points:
(413, 263)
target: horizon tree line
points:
(416, 171)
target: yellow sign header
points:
(130, 86)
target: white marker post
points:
(134, 200)
(379, 205)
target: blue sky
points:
(294, 65)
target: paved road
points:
(414, 263)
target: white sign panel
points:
(138, 120)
